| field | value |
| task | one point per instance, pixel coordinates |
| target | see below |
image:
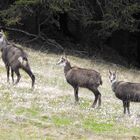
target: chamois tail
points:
(101, 82)
(23, 60)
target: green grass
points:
(135, 130)
(49, 111)
(85, 103)
(29, 111)
(96, 127)
(61, 121)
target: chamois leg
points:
(128, 105)
(124, 106)
(95, 101)
(7, 69)
(99, 100)
(12, 75)
(29, 72)
(76, 94)
(97, 97)
(18, 75)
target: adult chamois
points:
(14, 58)
(125, 91)
(80, 77)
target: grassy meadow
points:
(49, 112)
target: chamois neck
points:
(113, 85)
(3, 43)
(67, 67)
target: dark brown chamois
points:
(14, 58)
(125, 91)
(79, 77)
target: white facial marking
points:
(112, 77)
(1, 39)
(62, 62)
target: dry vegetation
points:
(49, 112)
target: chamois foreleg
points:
(7, 69)
(128, 105)
(76, 94)
(124, 106)
(12, 75)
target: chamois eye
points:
(62, 60)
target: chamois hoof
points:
(92, 106)
(99, 107)
(32, 88)
(76, 103)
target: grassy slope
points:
(49, 112)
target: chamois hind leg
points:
(29, 72)
(97, 97)
(76, 94)
(18, 75)
(99, 100)
(7, 69)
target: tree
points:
(97, 19)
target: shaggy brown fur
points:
(14, 58)
(79, 77)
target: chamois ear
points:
(115, 72)
(65, 56)
(2, 31)
(110, 71)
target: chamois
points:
(80, 77)
(14, 58)
(125, 91)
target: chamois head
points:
(3, 39)
(112, 76)
(1, 35)
(63, 61)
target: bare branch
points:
(54, 43)
(35, 37)
(18, 30)
(99, 3)
(45, 21)
(31, 40)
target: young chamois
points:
(79, 77)
(14, 58)
(125, 91)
